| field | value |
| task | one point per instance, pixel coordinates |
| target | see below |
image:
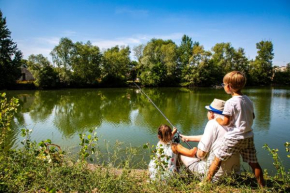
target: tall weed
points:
(281, 180)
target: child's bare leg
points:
(257, 170)
(213, 168)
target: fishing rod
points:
(178, 133)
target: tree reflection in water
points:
(125, 114)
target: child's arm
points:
(194, 152)
(174, 131)
(179, 149)
(224, 121)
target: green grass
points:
(34, 168)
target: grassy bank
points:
(22, 172)
(44, 167)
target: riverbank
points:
(21, 172)
(245, 182)
(44, 167)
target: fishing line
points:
(178, 133)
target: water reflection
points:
(262, 99)
(125, 114)
(75, 111)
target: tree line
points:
(159, 63)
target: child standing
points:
(163, 164)
(238, 117)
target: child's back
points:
(240, 109)
(163, 163)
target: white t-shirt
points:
(241, 111)
(210, 142)
(163, 163)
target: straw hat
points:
(217, 106)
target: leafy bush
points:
(7, 111)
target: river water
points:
(126, 115)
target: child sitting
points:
(163, 164)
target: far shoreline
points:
(31, 86)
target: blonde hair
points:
(165, 133)
(236, 80)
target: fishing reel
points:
(176, 139)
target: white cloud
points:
(105, 44)
(44, 45)
(37, 45)
(174, 36)
(47, 40)
(29, 50)
(41, 45)
(134, 40)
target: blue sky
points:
(38, 25)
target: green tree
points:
(199, 55)
(133, 70)
(223, 54)
(226, 58)
(62, 56)
(199, 71)
(261, 68)
(184, 52)
(203, 71)
(86, 63)
(115, 67)
(43, 71)
(281, 77)
(138, 51)
(135, 66)
(159, 63)
(10, 57)
(240, 61)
